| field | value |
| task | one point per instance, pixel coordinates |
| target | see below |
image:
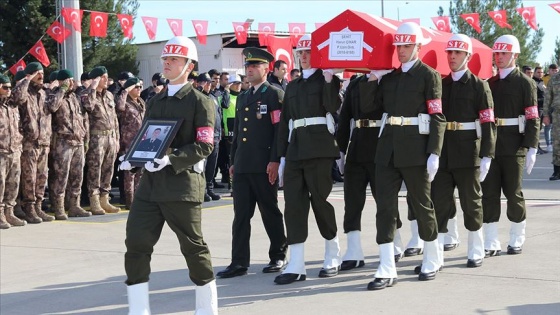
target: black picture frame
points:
(143, 149)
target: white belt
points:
(304, 122)
(453, 125)
(507, 121)
(367, 123)
(402, 121)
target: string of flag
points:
(98, 28)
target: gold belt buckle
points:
(499, 122)
(365, 123)
(452, 126)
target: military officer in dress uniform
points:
(408, 149)
(517, 119)
(468, 147)
(306, 140)
(172, 189)
(254, 166)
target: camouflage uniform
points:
(36, 129)
(70, 128)
(10, 152)
(103, 147)
(131, 114)
(551, 108)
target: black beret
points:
(254, 55)
(19, 75)
(97, 72)
(64, 74)
(203, 77)
(84, 76)
(130, 82)
(53, 76)
(33, 67)
(125, 75)
(4, 79)
(156, 76)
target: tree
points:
(529, 39)
(33, 17)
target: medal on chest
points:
(262, 109)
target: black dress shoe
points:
(514, 250)
(274, 266)
(287, 278)
(398, 257)
(418, 269)
(381, 283)
(473, 263)
(217, 185)
(427, 276)
(351, 264)
(448, 247)
(329, 272)
(232, 271)
(413, 252)
(207, 198)
(491, 252)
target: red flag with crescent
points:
(529, 14)
(500, 17)
(126, 21)
(281, 49)
(58, 32)
(20, 65)
(176, 26)
(442, 23)
(201, 30)
(265, 30)
(297, 30)
(151, 26)
(38, 51)
(473, 19)
(240, 29)
(98, 24)
(73, 17)
(555, 6)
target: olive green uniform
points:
(309, 153)
(464, 101)
(551, 108)
(175, 193)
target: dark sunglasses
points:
(138, 87)
(6, 88)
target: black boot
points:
(556, 174)
(210, 192)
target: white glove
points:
(341, 162)
(377, 74)
(433, 165)
(281, 172)
(484, 168)
(530, 160)
(328, 74)
(121, 158)
(125, 166)
(163, 162)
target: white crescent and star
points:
(149, 22)
(56, 30)
(98, 17)
(296, 28)
(526, 12)
(74, 13)
(37, 50)
(19, 68)
(125, 21)
(174, 25)
(283, 52)
(498, 16)
(438, 25)
(239, 28)
(267, 29)
(469, 19)
(198, 26)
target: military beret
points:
(125, 75)
(64, 74)
(97, 72)
(130, 82)
(254, 55)
(84, 76)
(33, 67)
(19, 75)
(53, 76)
(4, 79)
(203, 77)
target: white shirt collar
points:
(407, 65)
(172, 89)
(256, 87)
(308, 72)
(505, 72)
(456, 76)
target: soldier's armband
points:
(434, 106)
(486, 115)
(531, 112)
(275, 116)
(205, 134)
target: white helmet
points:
(408, 33)
(506, 43)
(180, 46)
(304, 43)
(459, 42)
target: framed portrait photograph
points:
(152, 140)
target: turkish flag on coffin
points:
(38, 51)
(98, 24)
(360, 42)
(58, 32)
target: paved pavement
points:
(76, 267)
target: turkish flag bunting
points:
(176, 26)
(240, 29)
(555, 6)
(529, 14)
(20, 65)
(318, 24)
(201, 30)
(98, 24)
(281, 49)
(297, 30)
(265, 30)
(74, 17)
(38, 51)
(473, 19)
(500, 17)
(151, 26)
(58, 32)
(442, 23)
(415, 20)
(126, 22)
